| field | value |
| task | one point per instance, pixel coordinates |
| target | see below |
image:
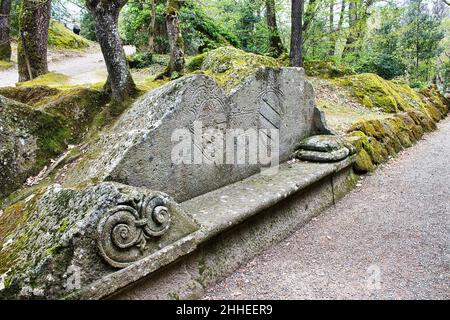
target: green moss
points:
(363, 162)
(62, 38)
(375, 92)
(195, 63)
(6, 65)
(140, 60)
(32, 96)
(326, 69)
(51, 79)
(230, 66)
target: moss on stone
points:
(230, 66)
(375, 92)
(62, 38)
(363, 162)
(32, 95)
(195, 63)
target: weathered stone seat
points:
(128, 208)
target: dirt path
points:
(82, 68)
(389, 239)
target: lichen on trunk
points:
(34, 22)
(177, 61)
(5, 43)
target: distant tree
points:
(88, 27)
(34, 20)
(152, 27)
(296, 52)
(5, 30)
(422, 38)
(384, 53)
(105, 15)
(275, 43)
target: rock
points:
(318, 156)
(76, 236)
(363, 162)
(138, 150)
(29, 138)
(323, 143)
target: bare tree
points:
(296, 54)
(106, 19)
(34, 22)
(5, 42)
(275, 43)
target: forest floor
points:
(388, 239)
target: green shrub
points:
(140, 60)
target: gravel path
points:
(389, 239)
(81, 68)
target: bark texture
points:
(275, 43)
(296, 54)
(176, 44)
(151, 27)
(34, 21)
(5, 43)
(106, 19)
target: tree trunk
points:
(308, 16)
(296, 54)
(34, 21)
(176, 64)
(5, 42)
(331, 29)
(275, 44)
(349, 44)
(339, 27)
(106, 18)
(151, 28)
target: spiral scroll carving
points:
(124, 232)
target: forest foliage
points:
(402, 39)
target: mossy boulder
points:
(81, 108)
(376, 92)
(61, 37)
(32, 135)
(327, 69)
(431, 95)
(230, 66)
(32, 95)
(29, 139)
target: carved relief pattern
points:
(124, 232)
(271, 108)
(208, 107)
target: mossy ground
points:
(5, 65)
(62, 38)
(50, 79)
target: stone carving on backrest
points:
(271, 109)
(207, 107)
(124, 232)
